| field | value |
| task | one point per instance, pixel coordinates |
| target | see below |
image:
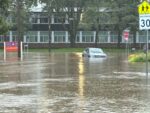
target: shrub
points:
(138, 57)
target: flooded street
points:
(68, 83)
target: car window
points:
(87, 50)
(96, 51)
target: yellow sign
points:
(144, 8)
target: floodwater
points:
(68, 83)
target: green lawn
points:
(58, 50)
(72, 50)
(68, 50)
(55, 50)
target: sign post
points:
(12, 47)
(144, 24)
(126, 38)
(4, 50)
(126, 34)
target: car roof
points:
(91, 48)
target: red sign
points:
(11, 46)
(126, 35)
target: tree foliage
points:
(71, 11)
(127, 16)
(116, 15)
(97, 15)
(20, 10)
(3, 15)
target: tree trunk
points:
(18, 26)
(134, 39)
(72, 31)
(72, 39)
(119, 38)
(96, 37)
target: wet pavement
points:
(68, 83)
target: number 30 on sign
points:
(144, 22)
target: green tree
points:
(20, 10)
(3, 16)
(125, 12)
(74, 10)
(50, 6)
(96, 16)
(71, 11)
(116, 15)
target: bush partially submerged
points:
(138, 57)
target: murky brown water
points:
(68, 83)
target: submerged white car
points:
(94, 52)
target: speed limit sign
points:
(144, 15)
(144, 22)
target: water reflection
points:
(81, 84)
(81, 77)
(94, 60)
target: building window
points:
(59, 36)
(143, 36)
(1, 38)
(44, 38)
(59, 18)
(34, 20)
(114, 38)
(31, 36)
(44, 20)
(103, 37)
(59, 39)
(88, 36)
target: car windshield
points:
(96, 51)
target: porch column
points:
(38, 36)
(80, 37)
(108, 41)
(52, 36)
(66, 37)
(10, 36)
